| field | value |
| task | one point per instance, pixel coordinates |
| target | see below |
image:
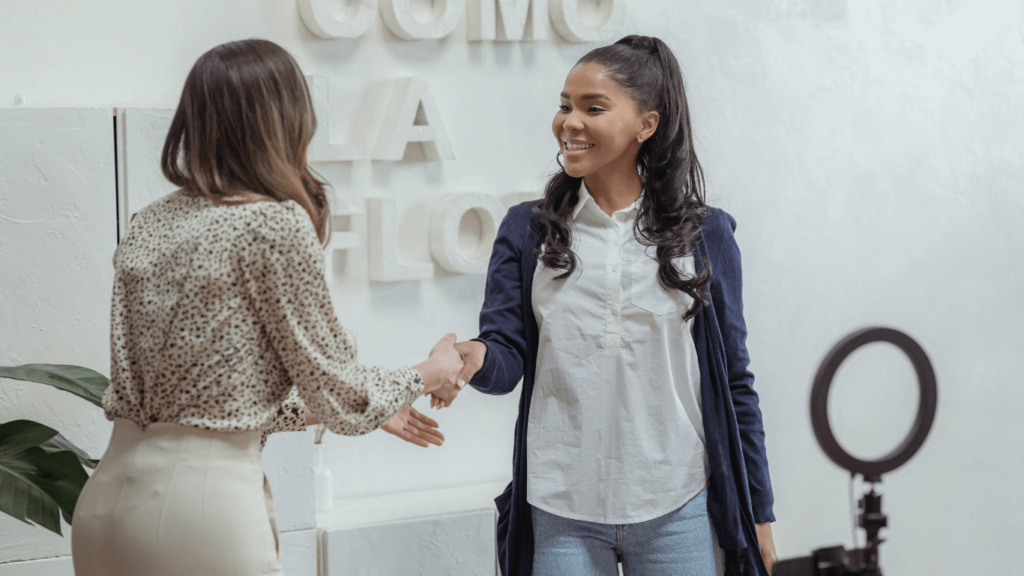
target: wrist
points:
(479, 355)
(428, 372)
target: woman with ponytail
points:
(222, 331)
(617, 300)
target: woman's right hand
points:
(473, 353)
(441, 371)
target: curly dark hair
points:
(672, 206)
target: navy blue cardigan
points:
(739, 488)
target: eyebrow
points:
(592, 96)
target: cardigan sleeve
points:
(727, 294)
(502, 326)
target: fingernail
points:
(462, 384)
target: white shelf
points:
(404, 506)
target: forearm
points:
(501, 368)
(755, 457)
(361, 399)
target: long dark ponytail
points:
(672, 206)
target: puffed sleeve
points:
(290, 416)
(282, 266)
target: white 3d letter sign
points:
(382, 225)
(320, 148)
(399, 18)
(409, 97)
(565, 15)
(482, 18)
(444, 231)
(318, 18)
(340, 241)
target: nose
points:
(573, 122)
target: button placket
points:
(613, 290)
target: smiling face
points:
(598, 124)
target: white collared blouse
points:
(221, 319)
(615, 432)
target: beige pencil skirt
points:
(176, 500)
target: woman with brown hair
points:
(222, 329)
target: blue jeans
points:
(680, 543)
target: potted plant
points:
(41, 472)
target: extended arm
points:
(502, 326)
(282, 266)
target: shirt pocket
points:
(646, 293)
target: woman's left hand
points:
(414, 428)
(767, 545)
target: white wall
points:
(57, 235)
(869, 151)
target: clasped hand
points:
(445, 373)
(472, 355)
(441, 376)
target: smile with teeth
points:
(570, 147)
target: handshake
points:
(445, 373)
(450, 367)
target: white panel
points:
(482, 18)
(321, 20)
(382, 227)
(409, 97)
(58, 232)
(298, 553)
(456, 545)
(288, 464)
(566, 17)
(140, 143)
(399, 17)
(51, 567)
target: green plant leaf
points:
(59, 443)
(81, 382)
(41, 474)
(20, 435)
(38, 486)
(21, 498)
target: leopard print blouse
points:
(222, 320)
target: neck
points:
(614, 188)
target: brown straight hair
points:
(242, 129)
